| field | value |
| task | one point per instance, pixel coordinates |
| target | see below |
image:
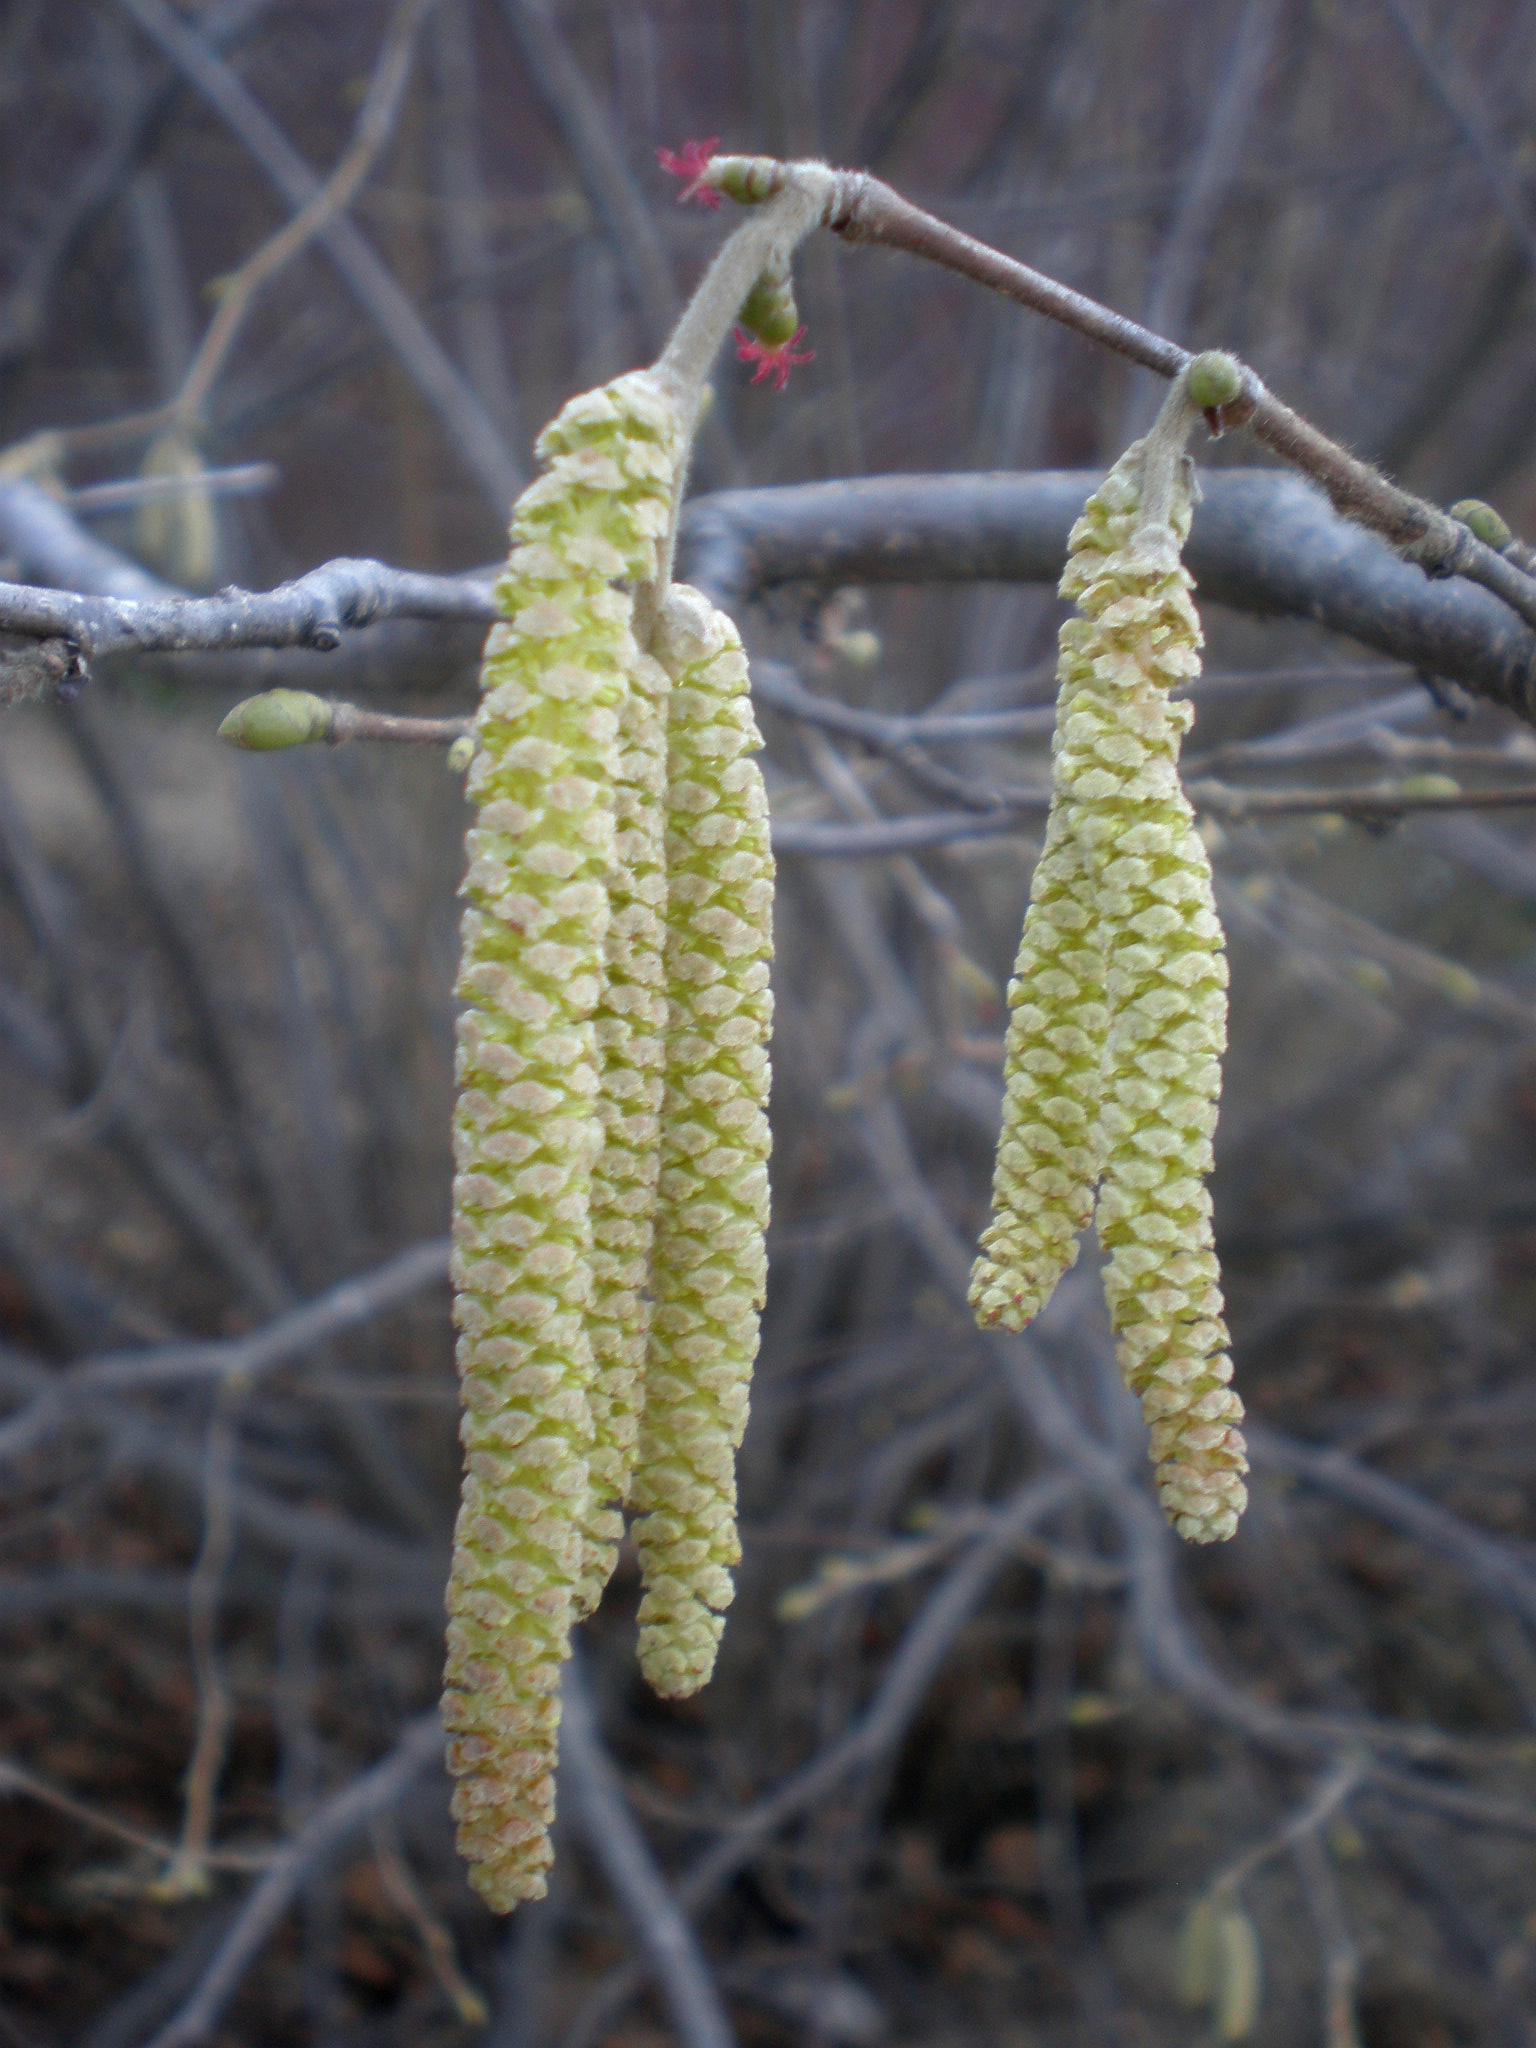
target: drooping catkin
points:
(1049, 1153)
(1138, 635)
(631, 1024)
(1112, 1064)
(527, 1131)
(708, 1265)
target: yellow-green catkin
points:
(1049, 1153)
(631, 1025)
(708, 1266)
(527, 1127)
(1137, 636)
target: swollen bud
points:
(768, 312)
(749, 180)
(1214, 379)
(277, 718)
(1484, 522)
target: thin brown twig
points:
(238, 291)
(420, 1745)
(187, 1876)
(17, 1782)
(436, 1940)
(465, 420)
(864, 208)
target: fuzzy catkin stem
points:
(767, 238)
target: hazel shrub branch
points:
(610, 1133)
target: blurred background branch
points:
(982, 1740)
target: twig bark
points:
(690, 1992)
(328, 203)
(868, 210)
(351, 1809)
(468, 425)
(1261, 543)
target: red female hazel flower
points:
(772, 361)
(690, 163)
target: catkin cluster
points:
(610, 1136)
(1118, 1010)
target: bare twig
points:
(1340, 1957)
(239, 291)
(241, 480)
(867, 210)
(100, 181)
(186, 1876)
(16, 1781)
(434, 1937)
(1490, 1564)
(313, 611)
(584, 125)
(690, 1992)
(457, 116)
(1456, 102)
(1176, 273)
(1260, 542)
(349, 1306)
(340, 1817)
(470, 428)
(1332, 1791)
(876, 1732)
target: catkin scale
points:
(709, 1264)
(528, 1131)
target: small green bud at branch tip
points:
(1214, 379)
(749, 180)
(277, 718)
(1483, 521)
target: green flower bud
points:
(708, 1262)
(1213, 380)
(527, 1128)
(769, 310)
(1484, 522)
(277, 718)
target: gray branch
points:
(691, 1995)
(1263, 542)
(375, 1791)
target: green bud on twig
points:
(277, 718)
(769, 311)
(1483, 521)
(1214, 379)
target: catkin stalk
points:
(527, 1129)
(709, 1264)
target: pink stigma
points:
(771, 362)
(690, 163)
